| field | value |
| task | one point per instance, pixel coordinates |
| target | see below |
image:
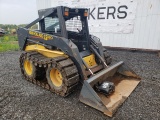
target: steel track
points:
(66, 65)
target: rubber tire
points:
(33, 75)
(61, 88)
(38, 73)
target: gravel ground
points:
(20, 99)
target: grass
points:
(8, 43)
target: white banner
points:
(106, 16)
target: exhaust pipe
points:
(125, 81)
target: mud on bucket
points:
(125, 81)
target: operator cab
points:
(68, 23)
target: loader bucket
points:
(125, 81)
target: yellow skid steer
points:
(62, 53)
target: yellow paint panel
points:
(46, 52)
(90, 60)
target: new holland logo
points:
(41, 35)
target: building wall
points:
(143, 18)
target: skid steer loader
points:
(62, 53)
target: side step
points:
(125, 81)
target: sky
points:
(18, 11)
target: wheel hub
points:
(28, 67)
(56, 77)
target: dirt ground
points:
(20, 99)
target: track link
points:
(68, 69)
